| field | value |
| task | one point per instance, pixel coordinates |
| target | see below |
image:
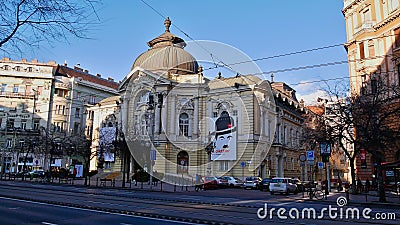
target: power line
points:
(296, 52)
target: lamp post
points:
(150, 109)
(209, 148)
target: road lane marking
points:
(97, 211)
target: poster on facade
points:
(224, 131)
(107, 136)
(79, 170)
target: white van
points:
(282, 185)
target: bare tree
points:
(364, 121)
(26, 23)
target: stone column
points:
(196, 117)
(172, 115)
(164, 119)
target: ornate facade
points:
(182, 124)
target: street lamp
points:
(151, 105)
(209, 148)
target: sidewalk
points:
(370, 198)
(116, 184)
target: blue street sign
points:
(310, 155)
(243, 164)
(320, 165)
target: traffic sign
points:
(310, 155)
(320, 165)
(302, 157)
(243, 164)
(310, 162)
(325, 148)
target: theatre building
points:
(179, 123)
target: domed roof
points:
(166, 53)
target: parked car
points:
(35, 173)
(264, 185)
(234, 182)
(222, 182)
(210, 183)
(282, 185)
(252, 182)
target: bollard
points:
(347, 195)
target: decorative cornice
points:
(355, 2)
(387, 20)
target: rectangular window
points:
(215, 114)
(374, 86)
(9, 143)
(398, 73)
(36, 124)
(40, 90)
(371, 49)
(284, 135)
(234, 113)
(16, 88)
(77, 112)
(10, 123)
(23, 124)
(366, 16)
(361, 48)
(28, 89)
(397, 37)
(3, 88)
(76, 128)
(223, 165)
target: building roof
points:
(110, 100)
(242, 80)
(167, 54)
(79, 73)
(319, 110)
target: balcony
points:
(363, 28)
(7, 94)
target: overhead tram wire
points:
(280, 55)
(188, 36)
(295, 53)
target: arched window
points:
(184, 124)
(182, 162)
(144, 126)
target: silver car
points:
(282, 185)
(252, 182)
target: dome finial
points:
(167, 24)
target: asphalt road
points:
(45, 204)
(14, 211)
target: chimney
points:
(98, 75)
(77, 67)
(34, 60)
(65, 63)
(110, 79)
(6, 59)
(24, 60)
(86, 71)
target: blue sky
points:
(259, 29)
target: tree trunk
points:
(353, 174)
(123, 167)
(381, 185)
